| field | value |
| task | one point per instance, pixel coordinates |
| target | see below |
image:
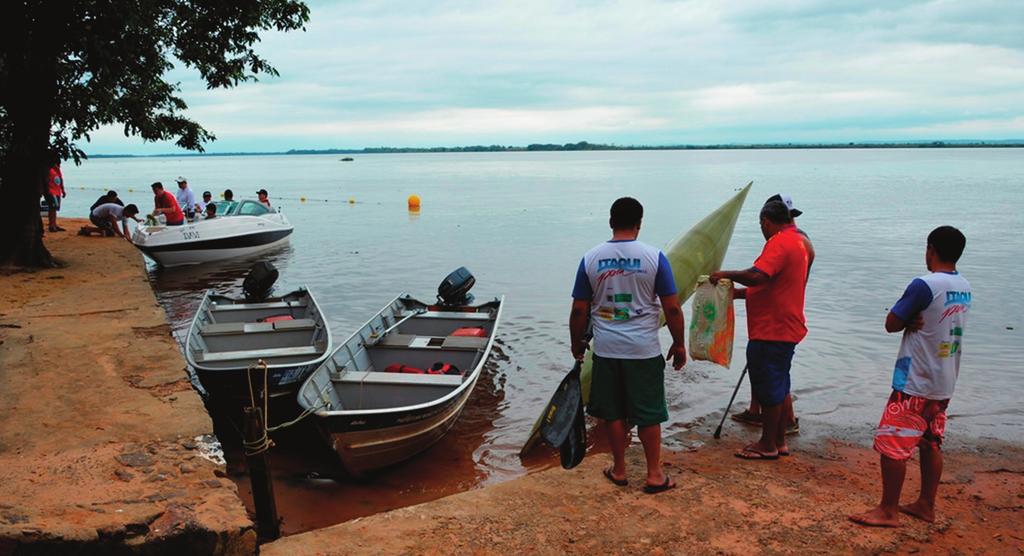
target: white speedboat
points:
(241, 228)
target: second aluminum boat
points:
(398, 384)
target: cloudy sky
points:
(444, 73)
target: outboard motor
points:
(454, 289)
(259, 281)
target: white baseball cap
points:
(788, 201)
(181, 179)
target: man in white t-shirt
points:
(621, 288)
(186, 198)
(106, 218)
(932, 315)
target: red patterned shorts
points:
(908, 421)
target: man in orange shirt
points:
(775, 322)
(165, 203)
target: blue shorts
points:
(768, 364)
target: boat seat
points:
(297, 324)
(230, 328)
(402, 340)
(455, 315)
(375, 377)
(257, 353)
(464, 342)
(249, 306)
(412, 341)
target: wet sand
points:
(721, 505)
(97, 449)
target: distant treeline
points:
(586, 146)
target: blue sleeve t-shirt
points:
(623, 281)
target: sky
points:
(447, 73)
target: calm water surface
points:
(521, 221)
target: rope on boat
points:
(263, 443)
(305, 413)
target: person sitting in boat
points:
(108, 197)
(207, 200)
(264, 198)
(229, 195)
(105, 219)
(165, 203)
(211, 211)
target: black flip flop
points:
(618, 482)
(655, 489)
(751, 454)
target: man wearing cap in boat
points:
(207, 200)
(264, 198)
(775, 322)
(752, 415)
(622, 287)
(186, 198)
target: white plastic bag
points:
(713, 323)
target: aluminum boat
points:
(399, 383)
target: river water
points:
(521, 221)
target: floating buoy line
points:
(413, 201)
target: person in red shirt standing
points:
(166, 204)
(53, 194)
(775, 322)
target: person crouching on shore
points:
(932, 315)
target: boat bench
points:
(460, 315)
(375, 377)
(257, 353)
(412, 341)
(229, 328)
(249, 306)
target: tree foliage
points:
(68, 68)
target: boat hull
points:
(237, 247)
(364, 445)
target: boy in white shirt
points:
(933, 314)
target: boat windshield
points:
(225, 208)
(251, 208)
(241, 208)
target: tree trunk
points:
(32, 47)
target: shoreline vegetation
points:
(586, 146)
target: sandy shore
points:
(98, 420)
(97, 455)
(721, 506)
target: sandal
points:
(618, 482)
(753, 453)
(655, 489)
(747, 417)
(794, 427)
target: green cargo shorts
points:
(631, 389)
